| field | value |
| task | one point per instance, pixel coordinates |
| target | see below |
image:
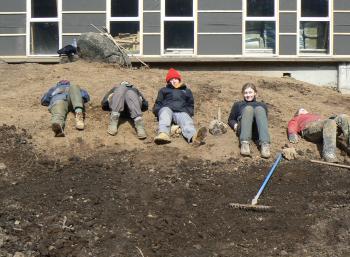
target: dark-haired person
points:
(127, 101)
(62, 98)
(175, 104)
(248, 116)
(316, 128)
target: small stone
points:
(284, 253)
(19, 254)
(2, 166)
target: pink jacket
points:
(298, 123)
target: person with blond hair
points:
(248, 118)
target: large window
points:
(314, 26)
(44, 27)
(260, 26)
(178, 27)
(125, 24)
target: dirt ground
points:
(90, 194)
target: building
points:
(308, 38)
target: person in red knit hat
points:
(175, 104)
(315, 128)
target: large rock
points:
(94, 46)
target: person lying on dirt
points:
(248, 118)
(315, 128)
(61, 99)
(125, 100)
(175, 103)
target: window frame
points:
(328, 19)
(165, 18)
(139, 18)
(260, 52)
(30, 20)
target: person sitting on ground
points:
(61, 99)
(175, 103)
(248, 118)
(125, 100)
(315, 128)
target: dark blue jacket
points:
(60, 92)
(177, 99)
(237, 108)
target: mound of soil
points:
(90, 194)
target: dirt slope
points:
(91, 194)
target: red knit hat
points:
(172, 74)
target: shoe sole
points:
(57, 129)
(160, 141)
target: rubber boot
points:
(113, 123)
(140, 128)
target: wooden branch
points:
(332, 164)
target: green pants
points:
(60, 108)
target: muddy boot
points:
(162, 138)
(57, 129)
(199, 138)
(79, 121)
(113, 123)
(245, 148)
(140, 128)
(329, 156)
(265, 150)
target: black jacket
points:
(237, 108)
(177, 99)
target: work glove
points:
(293, 138)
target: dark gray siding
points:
(341, 5)
(341, 45)
(13, 6)
(288, 45)
(151, 44)
(219, 5)
(83, 5)
(13, 45)
(219, 44)
(288, 22)
(68, 40)
(80, 23)
(151, 22)
(151, 5)
(288, 5)
(12, 23)
(341, 22)
(219, 22)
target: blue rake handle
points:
(278, 159)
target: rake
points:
(254, 206)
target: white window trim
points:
(245, 18)
(139, 18)
(29, 20)
(328, 19)
(164, 18)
